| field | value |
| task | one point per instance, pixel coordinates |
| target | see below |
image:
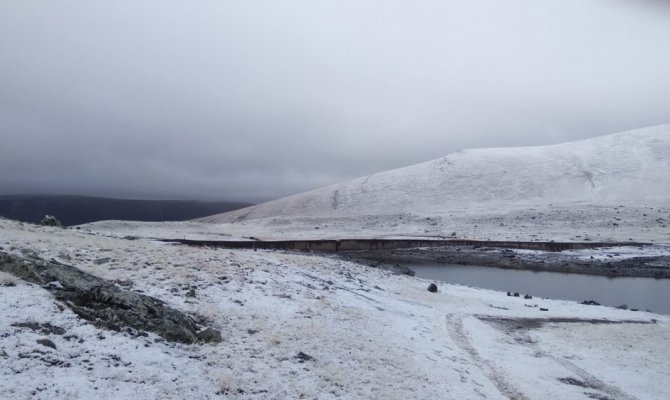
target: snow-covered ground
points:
(296, 325)
(576, 222)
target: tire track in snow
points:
(457, 333)
(589, 381)
(594, 383)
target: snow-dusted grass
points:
(370, 334)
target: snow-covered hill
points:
(506, 192)
(628, 166)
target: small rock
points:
(509, 293)
(302, 357)
(190, 293)
(210, 335)
(527, 297)
(54, 285)
(124, 283)
(44, 329)
(47, 343)
(432, 288)
(623, 307)
(3, 353)
(516, 294)
(7, 283)
(544, 309)
(30, 325)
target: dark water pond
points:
(641, 293)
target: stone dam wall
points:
(391, 244)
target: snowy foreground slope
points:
(302, 326)
(614, 187)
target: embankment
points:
(402, 253)
(344, 245)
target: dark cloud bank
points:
(253, 100)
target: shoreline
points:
(397, 254)
(400, 260)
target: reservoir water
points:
(640, 293)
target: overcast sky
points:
(253, 100)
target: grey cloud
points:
(260, 99)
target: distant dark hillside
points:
(75, 210)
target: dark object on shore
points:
(47, 343)
(210, 335)
(527, 297)
(50, 220)
(432, 288)
(516, 294)
(106, 305)
(403, 270)
(590, 303)
(302, 357)
(509, 293)
(544, 309)
(622, 307)
(508, 253)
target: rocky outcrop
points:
(50, 220)
(105, 304)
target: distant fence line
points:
(391, 244)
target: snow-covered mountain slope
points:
(614, 187)
(625, 167)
